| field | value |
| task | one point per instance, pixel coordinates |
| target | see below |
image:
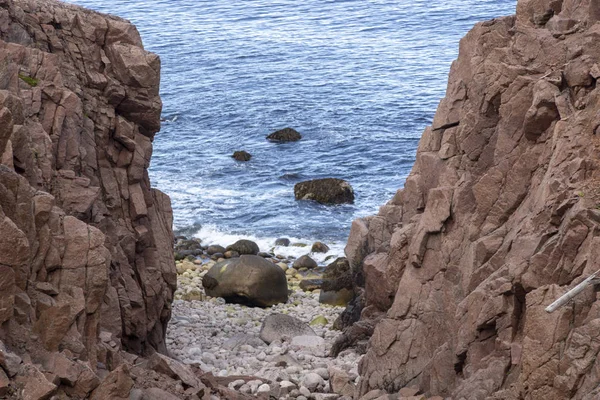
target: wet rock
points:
(244, 246)
(325, 191)
(285, 135)
(282, 242)
(319, 247)
(283, 327)
(242, 155)
(248, 280)
(305, 262)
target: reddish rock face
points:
(85, 243)
(499, 217)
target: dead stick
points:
(564, 299)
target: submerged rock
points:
(249, 280)
(282, 242)
(285, 135)
(242, 155)
(325, 191)
(319, 247)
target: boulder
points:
(242, 155)
(282, 242)
(283, 327)
(244, 246)
(325, 191)
(285, 135)
(305, 262)
(249, 280)
(319, 247)
(214, 249)
(310, 344)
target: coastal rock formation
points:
(499, 217)
(86, 248)
(325, 191)
(285, 135)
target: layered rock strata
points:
(499, 217)
(86, 259)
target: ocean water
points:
(359, 79)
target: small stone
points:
(312, 381)
(319, 320)
(304, 391)
(322, 372)
(264, 388)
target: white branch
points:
(564, 299)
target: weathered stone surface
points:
(249, 280)
(305, 262)
(497, 219)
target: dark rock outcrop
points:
(325, 191)
(241, 155)
(249, 280)
(498, 218)
(285, 135)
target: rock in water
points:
(244, 246)
(283, 327)
(305, 262)
(242, 155)
(282, 242)
(319, 247)
(249, 280)
(285, 135)
(325, 191)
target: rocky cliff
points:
(499, 217)
(86, 260)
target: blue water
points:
(359, 79)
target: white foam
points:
(210, 234)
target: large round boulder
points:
(325, 191)
(244, 246)
(249, 280)
(283, 327)
(285, 135)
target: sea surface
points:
(359, 79)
